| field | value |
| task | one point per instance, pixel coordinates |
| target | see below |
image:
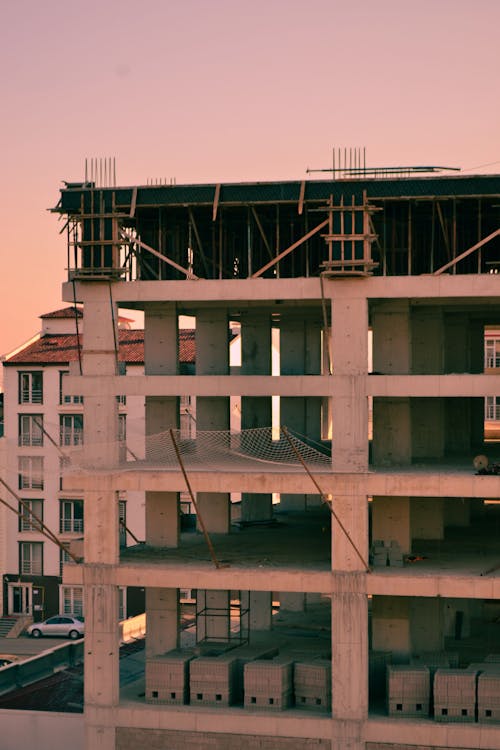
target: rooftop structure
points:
(374, 536)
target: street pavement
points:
(24, 647)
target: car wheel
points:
(36, 633)
(74, 634)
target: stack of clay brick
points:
(408, 690)
(386, 554)
(213, 680)
(488, 689)
(218, 680)
(268, 683)
(455, 695)
(488, 694)
(312, 683)
(167, 678)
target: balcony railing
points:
(71, 525)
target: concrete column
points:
(427, 427)
(101, 522)
(464, 425)
(161, 357)
(391, 337)
(426, 625)
(457, 616)
(215, 509)
(457, 511)
(256, 506)
(162, 519)
(349, 648)
(213, 621)
(457, 344)
(427, 337)
(391, 626)
(163, 620)
(261, 610)
(99, 357)
(347, 735)
(391, 520)
(212, 413)
(292, 601)
(98, 737)
(476, 337)
(352, 511)
(102, 645)
(256, 411)
(427, 518)
(161, 347)
(101, 543)
(300, 354)
(350, 366)
(391, 431)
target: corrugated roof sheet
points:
(60, 349)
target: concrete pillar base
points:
(163, 620)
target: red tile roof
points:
(65, 312)
(59, 349)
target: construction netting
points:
(244, 450)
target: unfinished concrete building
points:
(346, 559)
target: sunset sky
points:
(226, 90)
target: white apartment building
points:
(382, 555)
(41, 426)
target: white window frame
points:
(492, 353)
(67, 399)
(71, 600)
(30, 476)
(29, 391)
(71, 433)
(492, 408)
(122, 521)
(26, 520)
(122, 428)
(31, 558)
(30, 430)
(68, 524)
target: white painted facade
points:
(32, 563)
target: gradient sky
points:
(225, 90)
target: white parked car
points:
(64, 626)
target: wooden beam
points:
(216, 201)
(172, 263)
(290, 249)
(261, 230)
(467, 252)
(133, 202)
(198, 239)
(301, 196)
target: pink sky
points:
(226, 90)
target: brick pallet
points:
(218, 680)
(167, 678)
(488, 696)
(212, 681)
(455, 695)
(408, 690)
(313, 685)
(268, 683)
